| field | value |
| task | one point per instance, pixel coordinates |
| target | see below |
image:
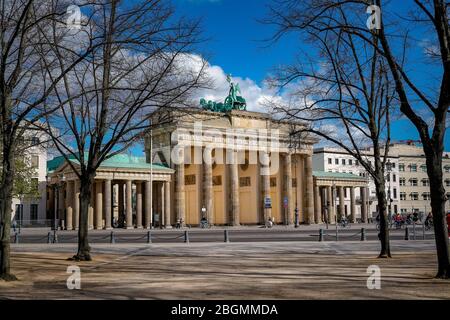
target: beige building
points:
(414, 183)
(241, 168)
(128, 192)
(233, 168)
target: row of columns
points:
(102, 198)
(264, 171)
(327, 201)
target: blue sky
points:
(236, 45)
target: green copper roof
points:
(117, 161)
(337, 175)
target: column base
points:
(108, 228)
(129, 228)
(168, 226)
(139, 227)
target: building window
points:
(447, 169)
(35, 161)
(33, 211)
(217, 180)
(413, 167)
(401, 167)
(388, 178)
(273, 182)
(413, 182)
(395, 193)
(426, 196)
(35, 141)
(402, 196)
(336, 161)
(425, 183)
(402, 182)
(350, 162)
(245, 182)
(343, 162)
(414, 196)
(330, 161)
(189, 180)
(393, 165)
(356, 163)
(294, 182)
(447, 183)
(423, 168)
(394, 178)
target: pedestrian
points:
(14, 225)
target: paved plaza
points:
(275, 270)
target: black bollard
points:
(112, 238)
(363, 234)
(406, 233)
(49, 237)
(226, 236)
(55, 238)
(16, 238)
(320, 235)
(414, 231)
(149, 237)
(186, 236)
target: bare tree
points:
(144, 65)
(397, 36)
(24, 86)
(346, 95)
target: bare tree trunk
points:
(6, 189)
(384, 226)
(84, 250)
(438, 199)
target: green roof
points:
(337, 175)
(117, 161)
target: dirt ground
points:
(243, 275)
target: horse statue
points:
(232, 102)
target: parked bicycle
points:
(344, 223)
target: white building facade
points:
(33, 211)
(339, 161)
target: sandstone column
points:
(179, 190)
(129, 210)
(69, 205)
(309, 191)
(163, 206)
(363, 205)
(265, 184)
(91, 208)
(76, 205)
(107, 204)
(287, 189)
(330, 205)
(121, 202)
(167, 204)
(99, 205)
(317, 205)
(61, 203)
(207, 185)
(341, 203)
(352, 205)
(148, 205)
(139, 205)
(234, 186)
